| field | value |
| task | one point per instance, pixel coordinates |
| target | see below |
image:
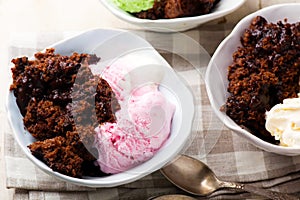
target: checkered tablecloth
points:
(230, 156)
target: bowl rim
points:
(228, 122)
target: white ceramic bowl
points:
(223, 8)
(172, 87)
(216, 74)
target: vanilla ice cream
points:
(143, 123)
(283, 122)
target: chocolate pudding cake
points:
(168, 9)
(265, 70)
(62, 102)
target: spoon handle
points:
(260, 191)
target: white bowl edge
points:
(235, 35)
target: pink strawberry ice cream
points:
(143, 122)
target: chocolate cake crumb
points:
(168, 9)
(62, 102)
(265, 70)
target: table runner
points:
(230, 156)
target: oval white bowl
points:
(216, 74)
(223, 8)
(172, 86)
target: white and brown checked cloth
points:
(230, 156)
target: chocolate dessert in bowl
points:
(99, 129)
(253, 79)
(170, 15)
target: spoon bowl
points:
(193, 176)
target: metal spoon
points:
(195, 177)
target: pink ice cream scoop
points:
(143, 124)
